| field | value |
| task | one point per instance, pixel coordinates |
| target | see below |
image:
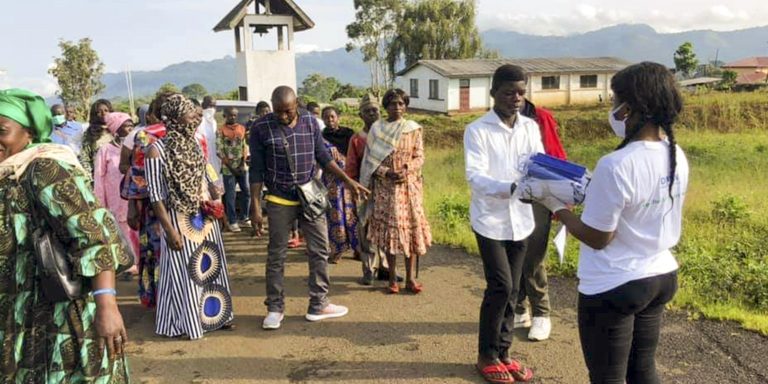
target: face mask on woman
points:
(619, 126)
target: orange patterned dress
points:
(398, 224)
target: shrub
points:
(729, 210)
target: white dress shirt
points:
(493, 154)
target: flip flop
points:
(494, 374)
(520, 373)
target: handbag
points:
(58, 282)
(313, 195)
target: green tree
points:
(168, 88)
(436, 29)
(373, 29)
(78, 72)
(319, 88)
(729, 80)
(685, 59)
(195, 91)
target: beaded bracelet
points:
(105, 291)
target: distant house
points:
(752, 71)
(450, 86)
(692, 84)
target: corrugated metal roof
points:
(752, 62)
(486, 67)
(699, 81)
(302, 22)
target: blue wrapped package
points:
(549, 176)
(539, 163)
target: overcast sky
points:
(151, 34)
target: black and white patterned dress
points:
(193, 289)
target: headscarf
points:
(339, 138)
(29, 110)
(185, 163)
(369, 100)
(115, 120)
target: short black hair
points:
(208, 101)
(330, 108)
(262, 104)
(228, 110)
(508, 73)
(392, 93)
(312, 105)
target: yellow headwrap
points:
(29, 110)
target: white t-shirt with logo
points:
(629, 195)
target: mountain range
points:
(632, 42)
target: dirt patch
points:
(428, 338)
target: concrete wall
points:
(423, 102)
(263, 71)
(570, 91)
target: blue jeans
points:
(230, 196)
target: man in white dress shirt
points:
(495, 145)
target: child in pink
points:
(107, 177)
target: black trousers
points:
(503, 266)
(534, 284)
(619, 330)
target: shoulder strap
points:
(288, 154)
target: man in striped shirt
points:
(270, 167)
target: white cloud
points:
(45, 87)
(581, 18)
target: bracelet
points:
(105, 291)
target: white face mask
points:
(619, 126)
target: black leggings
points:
(619, 330)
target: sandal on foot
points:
(496, 374)
(393, 289)
(518, 371)
(414, 287)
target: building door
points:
(463, 95)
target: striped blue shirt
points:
(269, 163)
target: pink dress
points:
(106, 187)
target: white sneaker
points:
(540, 329)
(234, 228)
(245, 223)
(273, 320)
(522, 321)
(331, 311)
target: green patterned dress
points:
(54, 342)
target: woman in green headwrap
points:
(72, 341)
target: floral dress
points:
(398, 225)
(342, 216)
(45, 342)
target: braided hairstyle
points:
(650, 91)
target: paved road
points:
(428, 338)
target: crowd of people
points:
(147, 198)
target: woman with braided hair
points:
(632, 218)
(193, 294)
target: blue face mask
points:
(59, 120)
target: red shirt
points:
(549, 136)
(355, 155)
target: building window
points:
(414, 88)
(588, 81)
(550, 82)
(434, 89)
(463, 83)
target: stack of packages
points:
(546, 175)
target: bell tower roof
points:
(301, 21)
